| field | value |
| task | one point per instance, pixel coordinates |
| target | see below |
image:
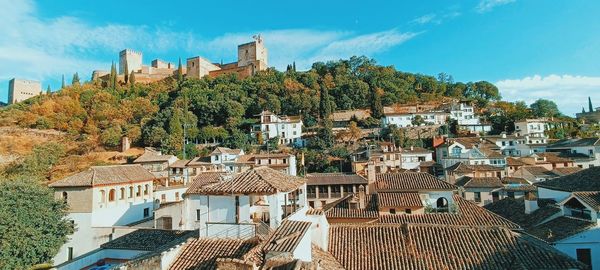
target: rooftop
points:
(106, 175)
(260, 180)
(149, 239)
(460, 167)
(412, 246)
(584, 180)
(410, 181)
(334, 179)
(480, 182)
(342, 208)
(152, 156)
(204, 179)
(514, 210)
(203, 253)
(568, 143)
(225, 150)
(287, 236)
(399, 199)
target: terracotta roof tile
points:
(480, 182)
(514, 210)
(460, 167)
(469, 214)
(440, 247)
(260, 180)
(560, 228)
(539, 171)
(410, 181)
(585, 180)
(225, 150)
(106, 175)
(203, 180)
(591, 198)
(152, 156)
(334, 179)
(386, 199)
(149, 239)
(203, 253)
(287, 236)
(343, 208)
(566, 170)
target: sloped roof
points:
(261, 180)
(566, 170)
(480, 182)
(460, 167)
(584, 180)
(204, 179)
(149, 239)
(334, 179)
(554, 157)
(514, 180)
(468, 214)
(568, 143)
(410, 181)
(347, 115)
(514, 210)
(341, 208)
(560, 228)
(411, 246)
(591, 198)
(399, 199)
(203, 253)
(106, 175)
(511, 161)
(152, 156)
(225, 150)
(182, 163)
(287, 236)
(539, 171)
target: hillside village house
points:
(387, 157)
(154, 161)
(564, 213)
(464, 113)
(471, 151)
(402, 119)
(584, 152)
(324, 188)
(287, 128)
(101, 198)
(342, 119)
(460, 170)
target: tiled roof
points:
(342, 208)
(514, 210)
(203, 253)
(410, 181)
(480, 182)
(491, 153)
(408, 199)
(151, 156)
(566, 170)
(106, 175)
(554, 157)
(415, 150)
(460, 167)
(225, 150)
(335, 179)
(591, 198)
(148, 239)
(468, 142)
(560, 228)
(539, 171)
(180, 163)
(203, 180)
(260, 180)
(469, 214)
(200, 161)
(568, 143)
(287, 236)
(440, 247)
(514, 180)
(511, 161)
(584, 180)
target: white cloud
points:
(425, 18)
(488, 5)
(569, 92)
(433, 18)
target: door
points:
(584, 255)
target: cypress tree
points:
(75, 80)
(48, 90)
(180, 71)
(376, 105)
(113, 76)
(324, 104)
(590, 104)
(294, 66)
(132, 78)
(126, 73)
(63, 82)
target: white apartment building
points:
(100, 199)
(406, 119)
(287, 128)
(464, 114)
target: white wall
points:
(99, 254)
(588, 239)
(557, 195)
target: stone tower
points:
(253, 53)
(133, 60)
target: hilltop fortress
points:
(252, 57)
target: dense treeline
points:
(223, 109)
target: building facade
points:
(19, 90)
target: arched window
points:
(65, 196)
(102, 196)
(139, 191)
(122, 197)
(146, 189)
(111, 195)
(177, 196)
(441, 203)
(130, 192)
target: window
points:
(177, 196)
(163, 197)
(392, 211)
(70, 253)
(146, 189)
(130, 192)
(139, 191)
(197, 214)
(146, 212)
(111, 195)
(408, 211)
(311, 204)
(122, 197)
(441, 202)
(65, 196)
(510, 194)
(477, 196)
(584, 255)
(102, 196)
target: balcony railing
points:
(311, 195)
(336, 195)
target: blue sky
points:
(529, 48)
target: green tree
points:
(591, 108)
(544, 108)
(126, 73)
(75, 80)
(180, 71)
(111, 137)
(63, 85)
(132, 78)
(113, 76)
(324, 104)
(33, 225)
(38, 164)
(376, 105)
(417, 120)
(48, 90)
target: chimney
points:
(503, 135)
(362, 200)
(531, 203)
(371, 172)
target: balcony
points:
(335, 195)
(311, 195)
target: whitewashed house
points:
(585, 152)
(406, 119)
(100, 198)
(155, 162)
(464, 113)
(287, 128)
